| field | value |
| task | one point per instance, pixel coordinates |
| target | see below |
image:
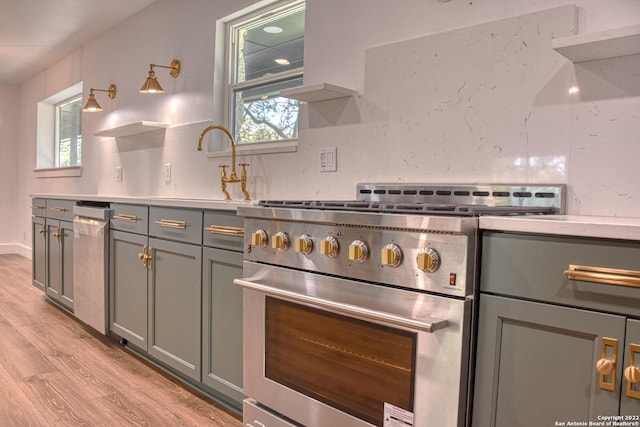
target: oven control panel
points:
(415, 259)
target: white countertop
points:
(182, 202)
(566, 225)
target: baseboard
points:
(15, 248)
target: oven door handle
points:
(349, 309)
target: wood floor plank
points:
(19, 357)
(17, 408)
(58, 372)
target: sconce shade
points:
(151, 85)
(92, 105)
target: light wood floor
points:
(53, 372)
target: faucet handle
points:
(224, 169)
(243, 165)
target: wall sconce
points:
(92, 105)
(151, 85)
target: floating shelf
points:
(319, 92)
(132, 129)
(605, 44)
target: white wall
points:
(8, 168)
(532, 132)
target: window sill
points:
(64, 172)
(259, 148)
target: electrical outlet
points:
(328, 159)
(119, 173)
(167, 173)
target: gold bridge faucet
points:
(223, 176)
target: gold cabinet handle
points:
(123, 217)
(37, 207)
(610, 276)
(632, 372)
(606, 366)
(145, 257)
(225, 230)
(170, 223)
(42, 231)
(60, 209)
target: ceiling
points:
(35, 34)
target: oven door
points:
(326, 351)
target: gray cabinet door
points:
(38, 251)
(59, 250)
(66, 247)
(54, 256)
(630, 398)
(536, 363)
(128, 292)
(222, 323)
(175, 300)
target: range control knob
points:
(428, 260)
(358, 251)
(391, 255)
(329, 246)
(304, 244)
(259, 239)
(280, 241)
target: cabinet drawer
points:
(184, 225)
(60, 209)
(39, 207)
(223, 229)
(533, 267)
(132, 218)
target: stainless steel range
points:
(359, 313)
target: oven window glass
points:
(349, 364)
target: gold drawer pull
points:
(171, 223)
(225, 230)
(610, 276)
(632, 372)
(123, 217)
(37, 207)
(60, 209)
(606, 366)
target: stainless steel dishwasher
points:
(91, 265)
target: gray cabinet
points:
(175, 287)
(222, 306)
(551, 348)
(156, 284)
(38, 251)
(52, 249)
(59, 249)
(128, 288)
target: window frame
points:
(226, 64)
(45, 162)
(57, 130)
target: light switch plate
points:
(119, 173)
(328, 159)
(167, 173)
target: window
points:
(68, 133)
(266, 50)
(59, 134)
